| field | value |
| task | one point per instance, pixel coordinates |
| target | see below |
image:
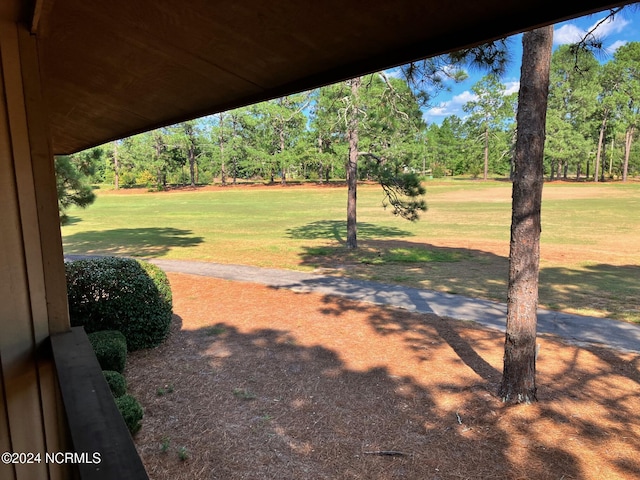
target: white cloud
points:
(451, 107)
(612, 25)
(511, 87)
(464, 97)
(454, 106)
(611, 49)
(568, 33)
(394, 73)
(571, 33)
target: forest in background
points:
(592, 120)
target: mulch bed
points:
(260, 383)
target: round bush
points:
(116, 381)
(110, 293)
(131, 411)
(111, 349)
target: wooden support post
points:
(32, 284)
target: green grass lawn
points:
(590, 261)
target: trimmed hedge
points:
(116, 381)
(111, 349)
(111, 293)
(131, 411)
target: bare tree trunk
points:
(519, 374)
(603, 127)
(352, 166)
(486, 151)
(235, 170)
(161, 178)
(628, 140)
(281, 150)
(320, 164)
(116, 166)
(223, 172)
(611, 159)
(191, 154)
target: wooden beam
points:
(17, 346)
(46, 239)
(37, 14)
(95, 422)
(32, 284)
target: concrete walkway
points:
(574, 328)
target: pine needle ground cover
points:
(590, 262)
(259, 383)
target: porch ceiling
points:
(117, 67)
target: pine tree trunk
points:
(518, 378)
(627, 152)
(320, 164)
(192, 166)
(611, 159)
(223, 172)
(352, 167)
(235, 171)
(486, 152)
(116, 166)
(281, 149)
(603, 126)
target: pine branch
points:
(590, 41)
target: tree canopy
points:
(592, 119)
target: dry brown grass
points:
(257, 383)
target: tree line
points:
(301, 136)
(566, 96)
(592, 119)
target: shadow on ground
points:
(337, 230)
(613, 289)
(274, 409)
(360, 392)
(136, 242)
(602, 289)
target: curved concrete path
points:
(575, 328)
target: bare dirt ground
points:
(257, 383)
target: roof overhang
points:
(118, 67)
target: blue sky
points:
(624, 28)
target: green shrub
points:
(131, 411)
(117, 382)
(438, 170)
(111, 349)
(128, 295)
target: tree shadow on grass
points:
(603, 289)
(135, 242)
(612, 288)
(473, 273)
(337, 230)
(71, 220)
